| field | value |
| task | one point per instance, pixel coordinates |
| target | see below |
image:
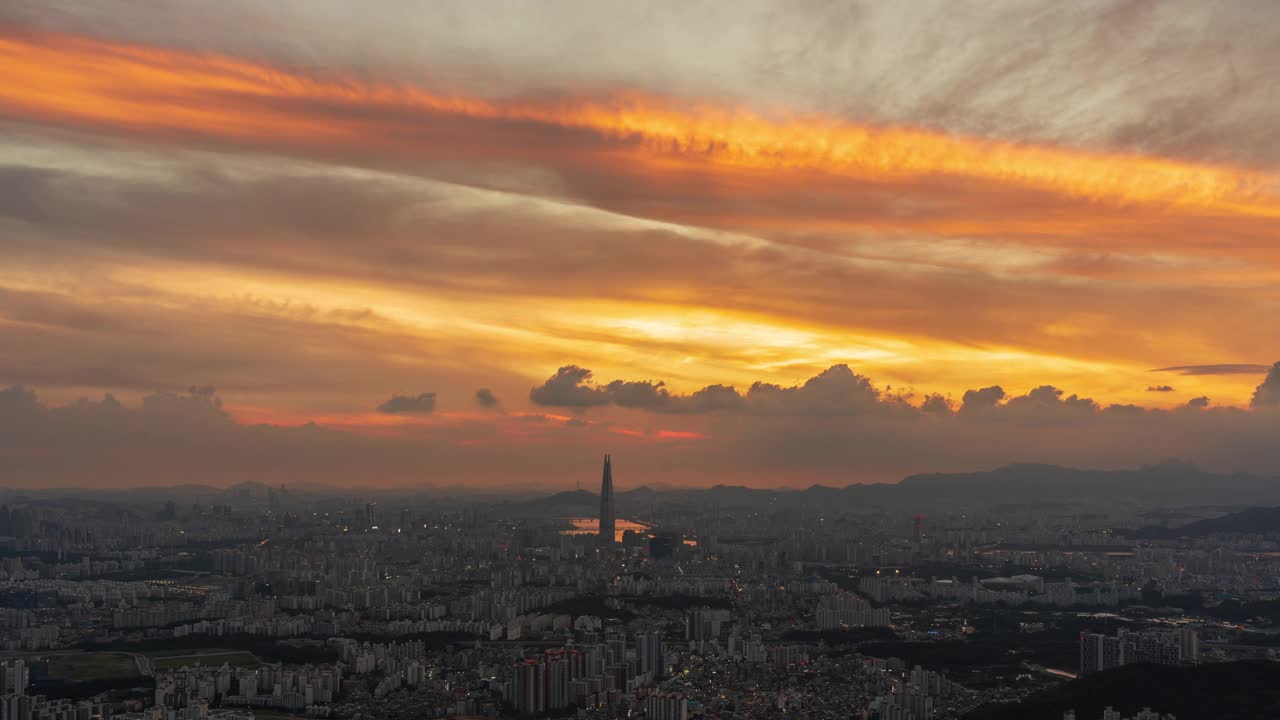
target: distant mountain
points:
(1254, 521)
(251, 488)
(641, 493)
(1170, 483)
(114, 495)
(1219, 691)
(567, 501)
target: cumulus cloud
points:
(835, 391)
(710, 398)
(179, 438)
(1050, 397)
(839, 391)
(26, 422)
(1267, 395)
(935, 403)
(569, 388)
(650, 395)
(408, 405)
(835, 428)
(16, 401)
(983, 399)
(486, 399)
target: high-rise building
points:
(14, 677)
(556, 678)
(530, 687)
(666, 706)
(848, 610)
(1100, 652)
(608, 520)
(649, 650)
(662, 546)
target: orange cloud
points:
(627, 432)
(86, 82)
(928, 312)
(680, 435)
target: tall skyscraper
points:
(1100, 652)
(649, 650)
(608, 522)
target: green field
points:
(172, 659)
(81, 667)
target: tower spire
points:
(608, 520)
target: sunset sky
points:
(773, 244)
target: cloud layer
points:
(838, 426)
(736, 217)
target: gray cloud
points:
(835, 391)
(838, 391)
(834, 428)
(1160, 388)
(1225, 369)
(408, 405)
(935, 403)
(569, 388)
(978, 400)
(176, 438)
(1267, 395)
(486, 399)
(25, 421)
(709, 399)
(17, 403)
(1048, 396)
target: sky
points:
(466, 244)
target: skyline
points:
(936, 342)
(775, 246)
